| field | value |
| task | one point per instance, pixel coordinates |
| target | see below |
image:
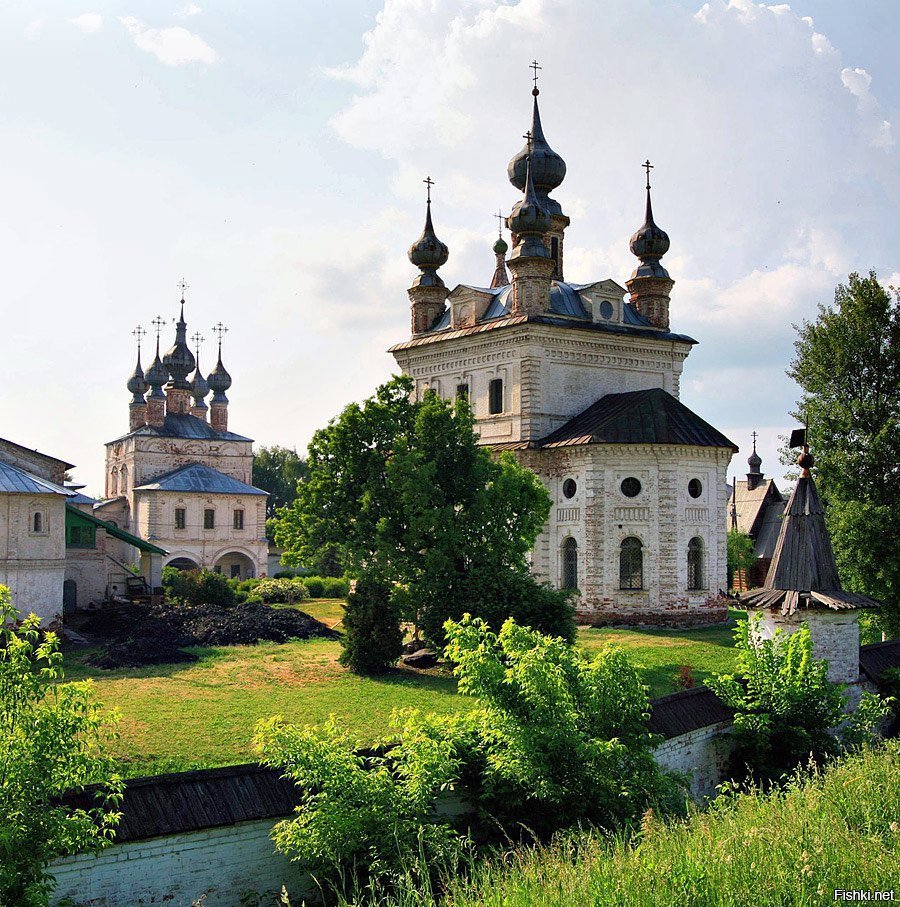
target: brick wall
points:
(701, 754)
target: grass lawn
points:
(201, 714)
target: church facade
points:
(581, 383)
(180, 478)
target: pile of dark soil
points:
(134, 634)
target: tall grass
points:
(836, 829)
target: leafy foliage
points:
(197, 587)
(365, 816)
(51, 741)
(785, 706)
(847, 364)
(372, 639)
(405, 491)
(278, 470)
(562, 738)
(741, 556)
(281, 591)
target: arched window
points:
(631, 564)
(570, 564)
(695, 579)
(37, 522)
(123, 480)
(113, 482)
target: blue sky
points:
(272, 154)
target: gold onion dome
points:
(548, 169)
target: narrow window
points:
(209, 518)
(462, 391)
(495, 396)
(239, 519)
(570, 564)
(631, 564)
(554, 254)
(695, 564)
(180, 518)
(37, 522)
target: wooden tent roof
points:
(803, 572)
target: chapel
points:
(180, 478)
(581, 383)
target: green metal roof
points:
(76, 517)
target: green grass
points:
(202, 714)
(837, 830)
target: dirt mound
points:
(142, 634)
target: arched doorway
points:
(183, 563)
(235, 565)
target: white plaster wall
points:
(702, 755)
(224, 864)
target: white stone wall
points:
(224, 864)
(33, 564)
(663, 516)
(702, 755)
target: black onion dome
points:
(548, 169)
(428, 252)
(219, 381)
(156, 375)
(529, 215)
(137, 384)
(649, 244)
(179, 360)
(500, 247)
(754, 461)
(199, 384)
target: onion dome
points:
(179, 360)
(548, 169)
(650, 243)
(754, 460)
(428, 253)
(156, 375)
(199, 384)
(137, 384)
(529, 221)
(500, 247)
(219, 380)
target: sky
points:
(272, 155)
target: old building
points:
(581, 382)
(179, 478)
(756, 509)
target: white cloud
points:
(33, 29)
(88, 22)
(190, 10)
(859, 83)
(174, 46)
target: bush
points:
(281, 591)
(197, 587)
(785, 706)
(315, 586)
(373, 640)
(335, 587)
(284, 574)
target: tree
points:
(741, 556)
(847, 363)
(373, 640)
(406, 492)
(52, 737)
(278, 470)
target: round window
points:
(606, 309)
(631, 487)
(569, 488)
(695, 488)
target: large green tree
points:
(404, 490)
(278, 470)
(52, 738)
(847, 364)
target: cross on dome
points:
(648, 167)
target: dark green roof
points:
(76, 517)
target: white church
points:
(581, 383)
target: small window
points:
(235, 571)
(209, 518)
(631, 564)
(239, 519)
(495, 395)
(462, 391)
(631, 487)
(695, 579)
(554, 254)
(606, 310)
(569, 488)
(695, 488)
(37, 522)
(570, 564)
(180, 518)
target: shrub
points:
(282, 591)
(52, 737)
(197, 587)
(372, 640)
(284, 574)
(785, 706)
(335, 587)
(315, 585)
